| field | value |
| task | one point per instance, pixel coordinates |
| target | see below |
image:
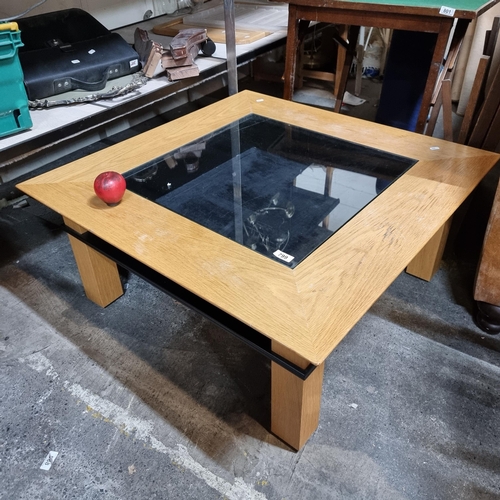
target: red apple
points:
(109, 187)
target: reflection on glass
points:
(278, 189)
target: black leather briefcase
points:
(70, 49)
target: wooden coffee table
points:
(294, 312)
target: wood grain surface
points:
(465, 9)
(311, 308)
(217, 35)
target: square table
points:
(426, 16)
(243, 210)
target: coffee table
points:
(244, 210)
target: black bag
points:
(70, 49)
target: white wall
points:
(111, 13)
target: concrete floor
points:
(147, 400)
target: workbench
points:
(61, 130)
(426, 16)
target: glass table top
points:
(278, 189)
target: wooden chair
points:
(339, 34)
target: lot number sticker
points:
(447, 11)
(283, 256)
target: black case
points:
(70, 49)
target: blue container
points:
(14, 111)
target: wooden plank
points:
(295, 403)
(318, 75)
(340, 65)
(492, 37)
(487, 112)
(432, 78)
(343, 66)
(447, 110)
(467, 9)
(475, 98)
(436, 108)
(442, 97)
(293, 44)
(99, 274)
(493, 136)
(310, 308)
(451, 59)
(217, 35)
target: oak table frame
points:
(306, 311)
(426, 16)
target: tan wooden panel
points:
(295, 403)
(474, 98)
(99, 274)
(308, 309)
(217, 35)
(427, 261)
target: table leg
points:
(296, 32)
(339, 65)
(341, 83)
(99, 274)
(427, 261)
(295, 403)
(432, 78)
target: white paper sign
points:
(283, 256)
(49, 460)
(447, 11)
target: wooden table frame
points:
(355, 14)
(305, 311)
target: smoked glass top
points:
(278, 189)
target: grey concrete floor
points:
(147, 400)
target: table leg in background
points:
(296, 32)
(99, 274)
(295, 403)
(432, 78)
(339, 65)
(341, 79)
(427, 261)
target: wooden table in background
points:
(305, 311)
(413, 15)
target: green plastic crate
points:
(14, 111)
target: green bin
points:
(14, 111)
